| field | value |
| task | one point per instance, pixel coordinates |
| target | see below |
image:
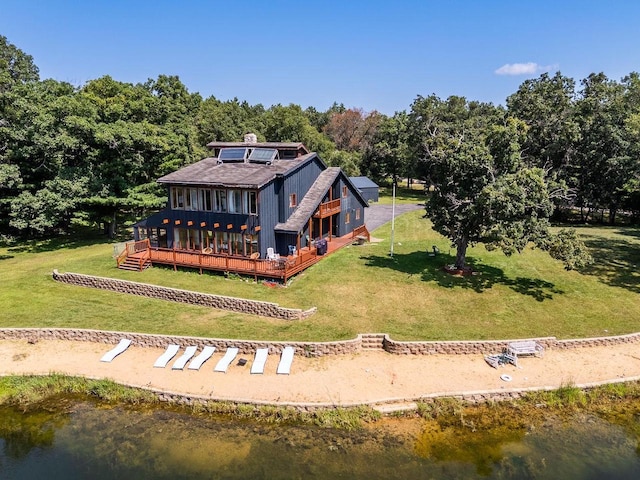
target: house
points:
(269, 209)
(368, 189)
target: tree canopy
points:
(90, 154)
(483, 190)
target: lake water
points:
(79, 440)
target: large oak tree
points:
(483, 190)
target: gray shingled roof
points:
(241, 175)
(308, 205)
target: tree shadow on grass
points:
(430, 269)
(71, 241)
(616, 261)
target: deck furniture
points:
(226, 360)
(168, 354)
(284, 367)
(189, 352)
(202, 357)
(117, 350)
(524, 347)
(259, 360)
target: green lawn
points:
(357, 290)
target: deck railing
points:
(361, 231)
(131, 248)
(283, 268)
(328, 208)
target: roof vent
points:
(250, 138)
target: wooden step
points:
(134, 264)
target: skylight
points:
(232, 154)
(263, 155)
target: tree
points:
(290, 124)
(51, 209)
(606, 163)
(15, 66)
(388, 153)
(483, 190)
(547, 106)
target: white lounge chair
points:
(226, 360)
(284, 367)
(259, 360)
(189, 352)
(202, 357)
(117, 350)
(169, 353)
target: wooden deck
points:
(282, 269)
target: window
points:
(191, 197)
(293, 200)
(235, 201)
(206, 202)
(253, 203)
(345, 191)
(177, 198)
(220, 201)
(347, 217)
(358, 214)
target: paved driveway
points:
(377, 215)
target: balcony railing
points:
(327, 209)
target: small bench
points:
(525, 347)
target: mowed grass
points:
(360, 289)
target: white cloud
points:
(521, 69)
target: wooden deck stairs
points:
(135, 264)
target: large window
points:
(177, 198)
(220, 201)
(191, 199)
(214, 200)
(206, 202)
(250, 202)
(235, 201)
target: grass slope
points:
(359, 289)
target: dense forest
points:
(90, 155)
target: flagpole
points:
(393, 215)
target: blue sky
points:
(372, 54)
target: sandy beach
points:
(368, 377)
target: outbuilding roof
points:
(363, 182)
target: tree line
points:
(90, 154)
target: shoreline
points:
(381, 380)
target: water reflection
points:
(83, 440)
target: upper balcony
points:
(327, 209)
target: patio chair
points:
(189, 352)
(284, 367)
(226, 360)
(169, 353)
(117, 350)
(271, 254)
(259, 360)
(204, 355)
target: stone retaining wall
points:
(367, 341)
(306, 349)
(251, 307)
